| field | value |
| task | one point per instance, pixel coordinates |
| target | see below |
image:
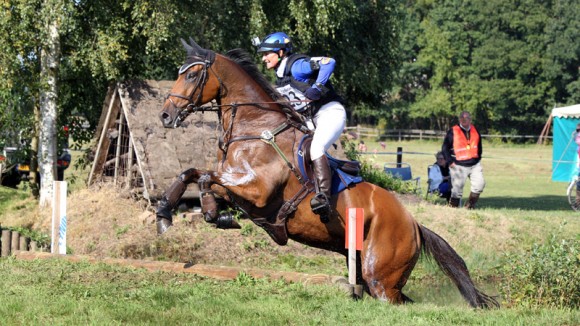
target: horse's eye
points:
(190, 76)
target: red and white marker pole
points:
(353, 241)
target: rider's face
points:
(270, 59)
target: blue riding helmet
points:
(275, 42)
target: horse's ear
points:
(187, 47)
(198, 49)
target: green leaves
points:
(547, 275)
(496, 59)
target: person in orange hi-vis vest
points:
(462, 150)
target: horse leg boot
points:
(320, 203)
(167, 203)
(210, 207)
(208, 203)
(470, 203)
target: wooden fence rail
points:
(408, 134)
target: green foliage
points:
(508, 63)
(378, 176)
(547, 275)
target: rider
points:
(305, 81)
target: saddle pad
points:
(341, 179)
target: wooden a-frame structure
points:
(135, 152)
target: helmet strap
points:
(280, 54)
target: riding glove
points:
(313, 94)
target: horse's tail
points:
(454, 267)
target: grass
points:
(517, 176)
(520, 206)
(16, 200)
(65, 293)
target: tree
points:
(102, 42)
(507, 62)
(49, 63)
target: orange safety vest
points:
(465, 149)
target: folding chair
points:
(402, 171)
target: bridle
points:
(193, 104)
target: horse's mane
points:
(245, 61)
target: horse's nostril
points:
(164, 115)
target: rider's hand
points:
(313, 94)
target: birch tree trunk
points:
(49, 62)
(34, 175)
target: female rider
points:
(305, 81)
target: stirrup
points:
(320, 205)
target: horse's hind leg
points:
(388, 287)
(170, 198)
(386, 268)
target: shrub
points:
(547, 275)
(377, 176)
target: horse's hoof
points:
(163, 224)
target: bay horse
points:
(256, 173)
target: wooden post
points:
(118, 149)
(6, 242)
(15, 241)
(33, 245)
(129, 164)
(59, 223)
(24, 243)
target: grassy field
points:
(56, 292)
(520, 207)
(517, 176)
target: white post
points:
(352, 246)
(58, 245)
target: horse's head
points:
(194, 86)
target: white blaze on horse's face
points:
(238, 175)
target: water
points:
(443, 292)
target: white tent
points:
(572, 111)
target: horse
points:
(256, 173)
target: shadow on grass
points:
(538, 203)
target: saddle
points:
(344, 175)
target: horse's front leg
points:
(171, 196)
(210, 207)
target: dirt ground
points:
(103, 223)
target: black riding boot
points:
(320, 203)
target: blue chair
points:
(402, 171)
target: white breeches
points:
(330, 121)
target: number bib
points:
(296, 98)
